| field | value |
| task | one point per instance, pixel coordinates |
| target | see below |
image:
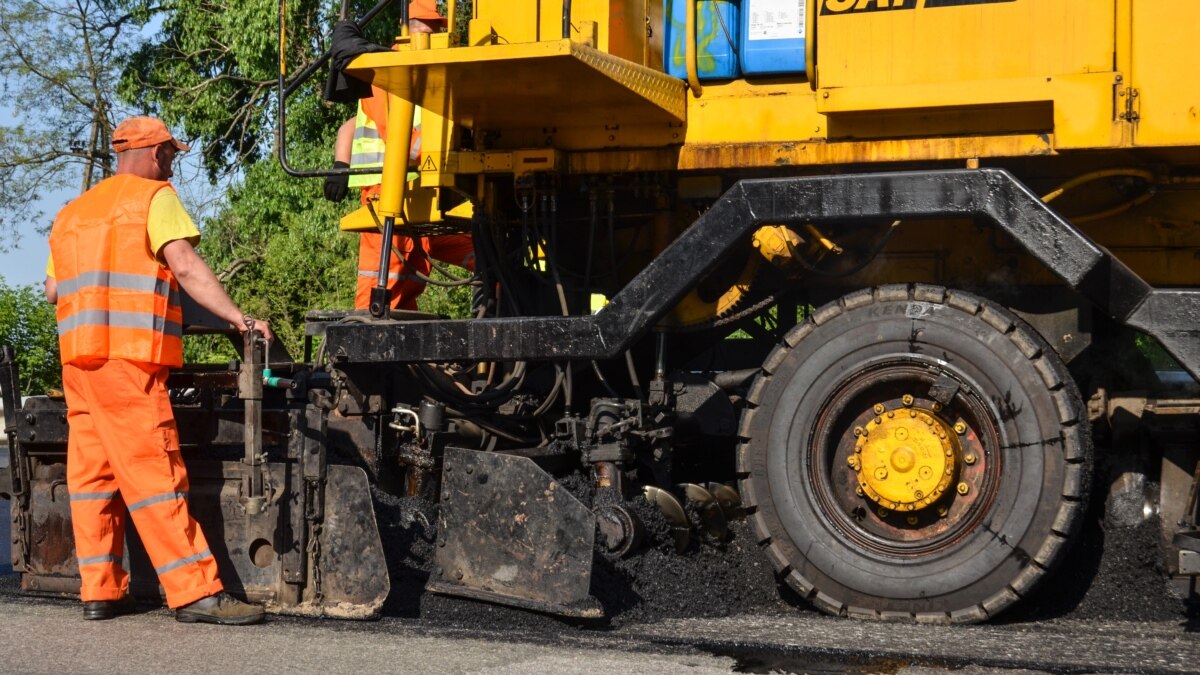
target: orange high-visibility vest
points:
(114, 300)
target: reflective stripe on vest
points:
(392, 276)
(115, 301)
(367, 150)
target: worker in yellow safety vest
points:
(360, 144)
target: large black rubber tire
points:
(1016, 392)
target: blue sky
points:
(25, 263)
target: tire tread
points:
(1075, 448)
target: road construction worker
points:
(118, 256)
(360, 144)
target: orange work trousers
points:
(123, 455)
(403, 283)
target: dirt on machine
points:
(906, 287)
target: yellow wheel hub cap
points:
(905, 459)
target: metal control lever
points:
(250, 390)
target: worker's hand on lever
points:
(250, 323)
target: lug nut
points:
(906, 399)
(935, 406)
(879, 408)
(970, 458)
(859, 491)
(963, 488)
(960, 427)
(911, 520)
(881, 512)
(943, 511)
(859, 431)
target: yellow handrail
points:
(689, 49)
(810, 42)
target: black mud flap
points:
(511, 534)
(348, 576)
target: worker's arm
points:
(51, 286)
(344, 146)
(199, 281)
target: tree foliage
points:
(277, 249)
(59, 64)
(28, 325)
(209, 68)
(212, 68)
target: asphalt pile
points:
(1113, 573)
(709, 579)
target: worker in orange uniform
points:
(360, 144)
(118, 256)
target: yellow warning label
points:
(428, 164)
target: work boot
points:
(99, 610)
(221, 608)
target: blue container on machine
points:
(772, 37)
(717, 31)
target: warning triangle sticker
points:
(428, 165)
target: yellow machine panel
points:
(925, 42)
(893, 80)
(1163, 96)
(613, 26)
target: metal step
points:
(535, 85)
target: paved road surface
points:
(50, 637)
(42, 635)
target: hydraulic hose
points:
(1096, 175)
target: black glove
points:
(336, 187)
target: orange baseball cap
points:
(143, 132)
(425, 10)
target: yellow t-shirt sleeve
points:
(168, 221)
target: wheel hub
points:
(905, 459)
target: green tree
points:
(59, 63)
(277, 249)
(28, 325)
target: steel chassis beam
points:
(988, 195)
